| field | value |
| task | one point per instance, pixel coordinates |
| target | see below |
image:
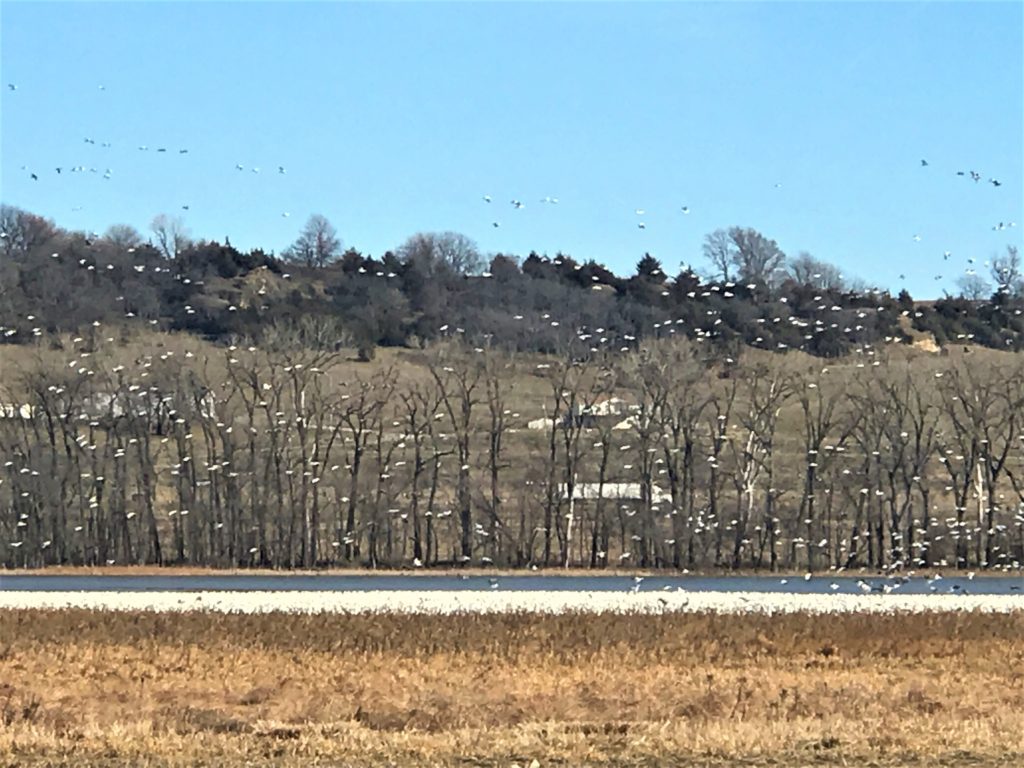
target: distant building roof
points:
(629, 491)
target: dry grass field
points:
(81, 688)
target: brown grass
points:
(492, 690)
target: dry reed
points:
(78, 687)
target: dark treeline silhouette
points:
(435, 284)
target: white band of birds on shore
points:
(446, 602)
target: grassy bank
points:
(106, 689)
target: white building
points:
(618, 491)
(16, 411)
(544, 424)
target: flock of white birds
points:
(597, 338)
(136, 379)
(515, 203)
(447, 602)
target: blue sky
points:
(397, 118)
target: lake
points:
(824, 584)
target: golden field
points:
(84, 688)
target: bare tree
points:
(381, 523)
(123, 236)
(361, 415)
(499, 381)
(765, 390)
(21, 231)
(458, 378)
(459, 252)
(317, 245)
(434, 252)
(757, 258)
(999, 435)
(687, 396)
(970, 402)
(973, 287)
(650, 376)
(807, 270)
(171, 235)
(718, 249)
(584, 387)
(420, 402)
(716, 418)
(1007, 273)
(1013, 393)
(316, 332)
(315, 437)
(899, 421)
(826, 430)
(743, 253)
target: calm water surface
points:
(988, 585)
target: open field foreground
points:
(451, 602)
(202, 688)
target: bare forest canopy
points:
(439, 284)
(184, 403)
(166, 449)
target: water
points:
(986, 585)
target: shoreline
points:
(186, 570)
(444, 602)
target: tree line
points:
(751, 294)
(668, 455)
